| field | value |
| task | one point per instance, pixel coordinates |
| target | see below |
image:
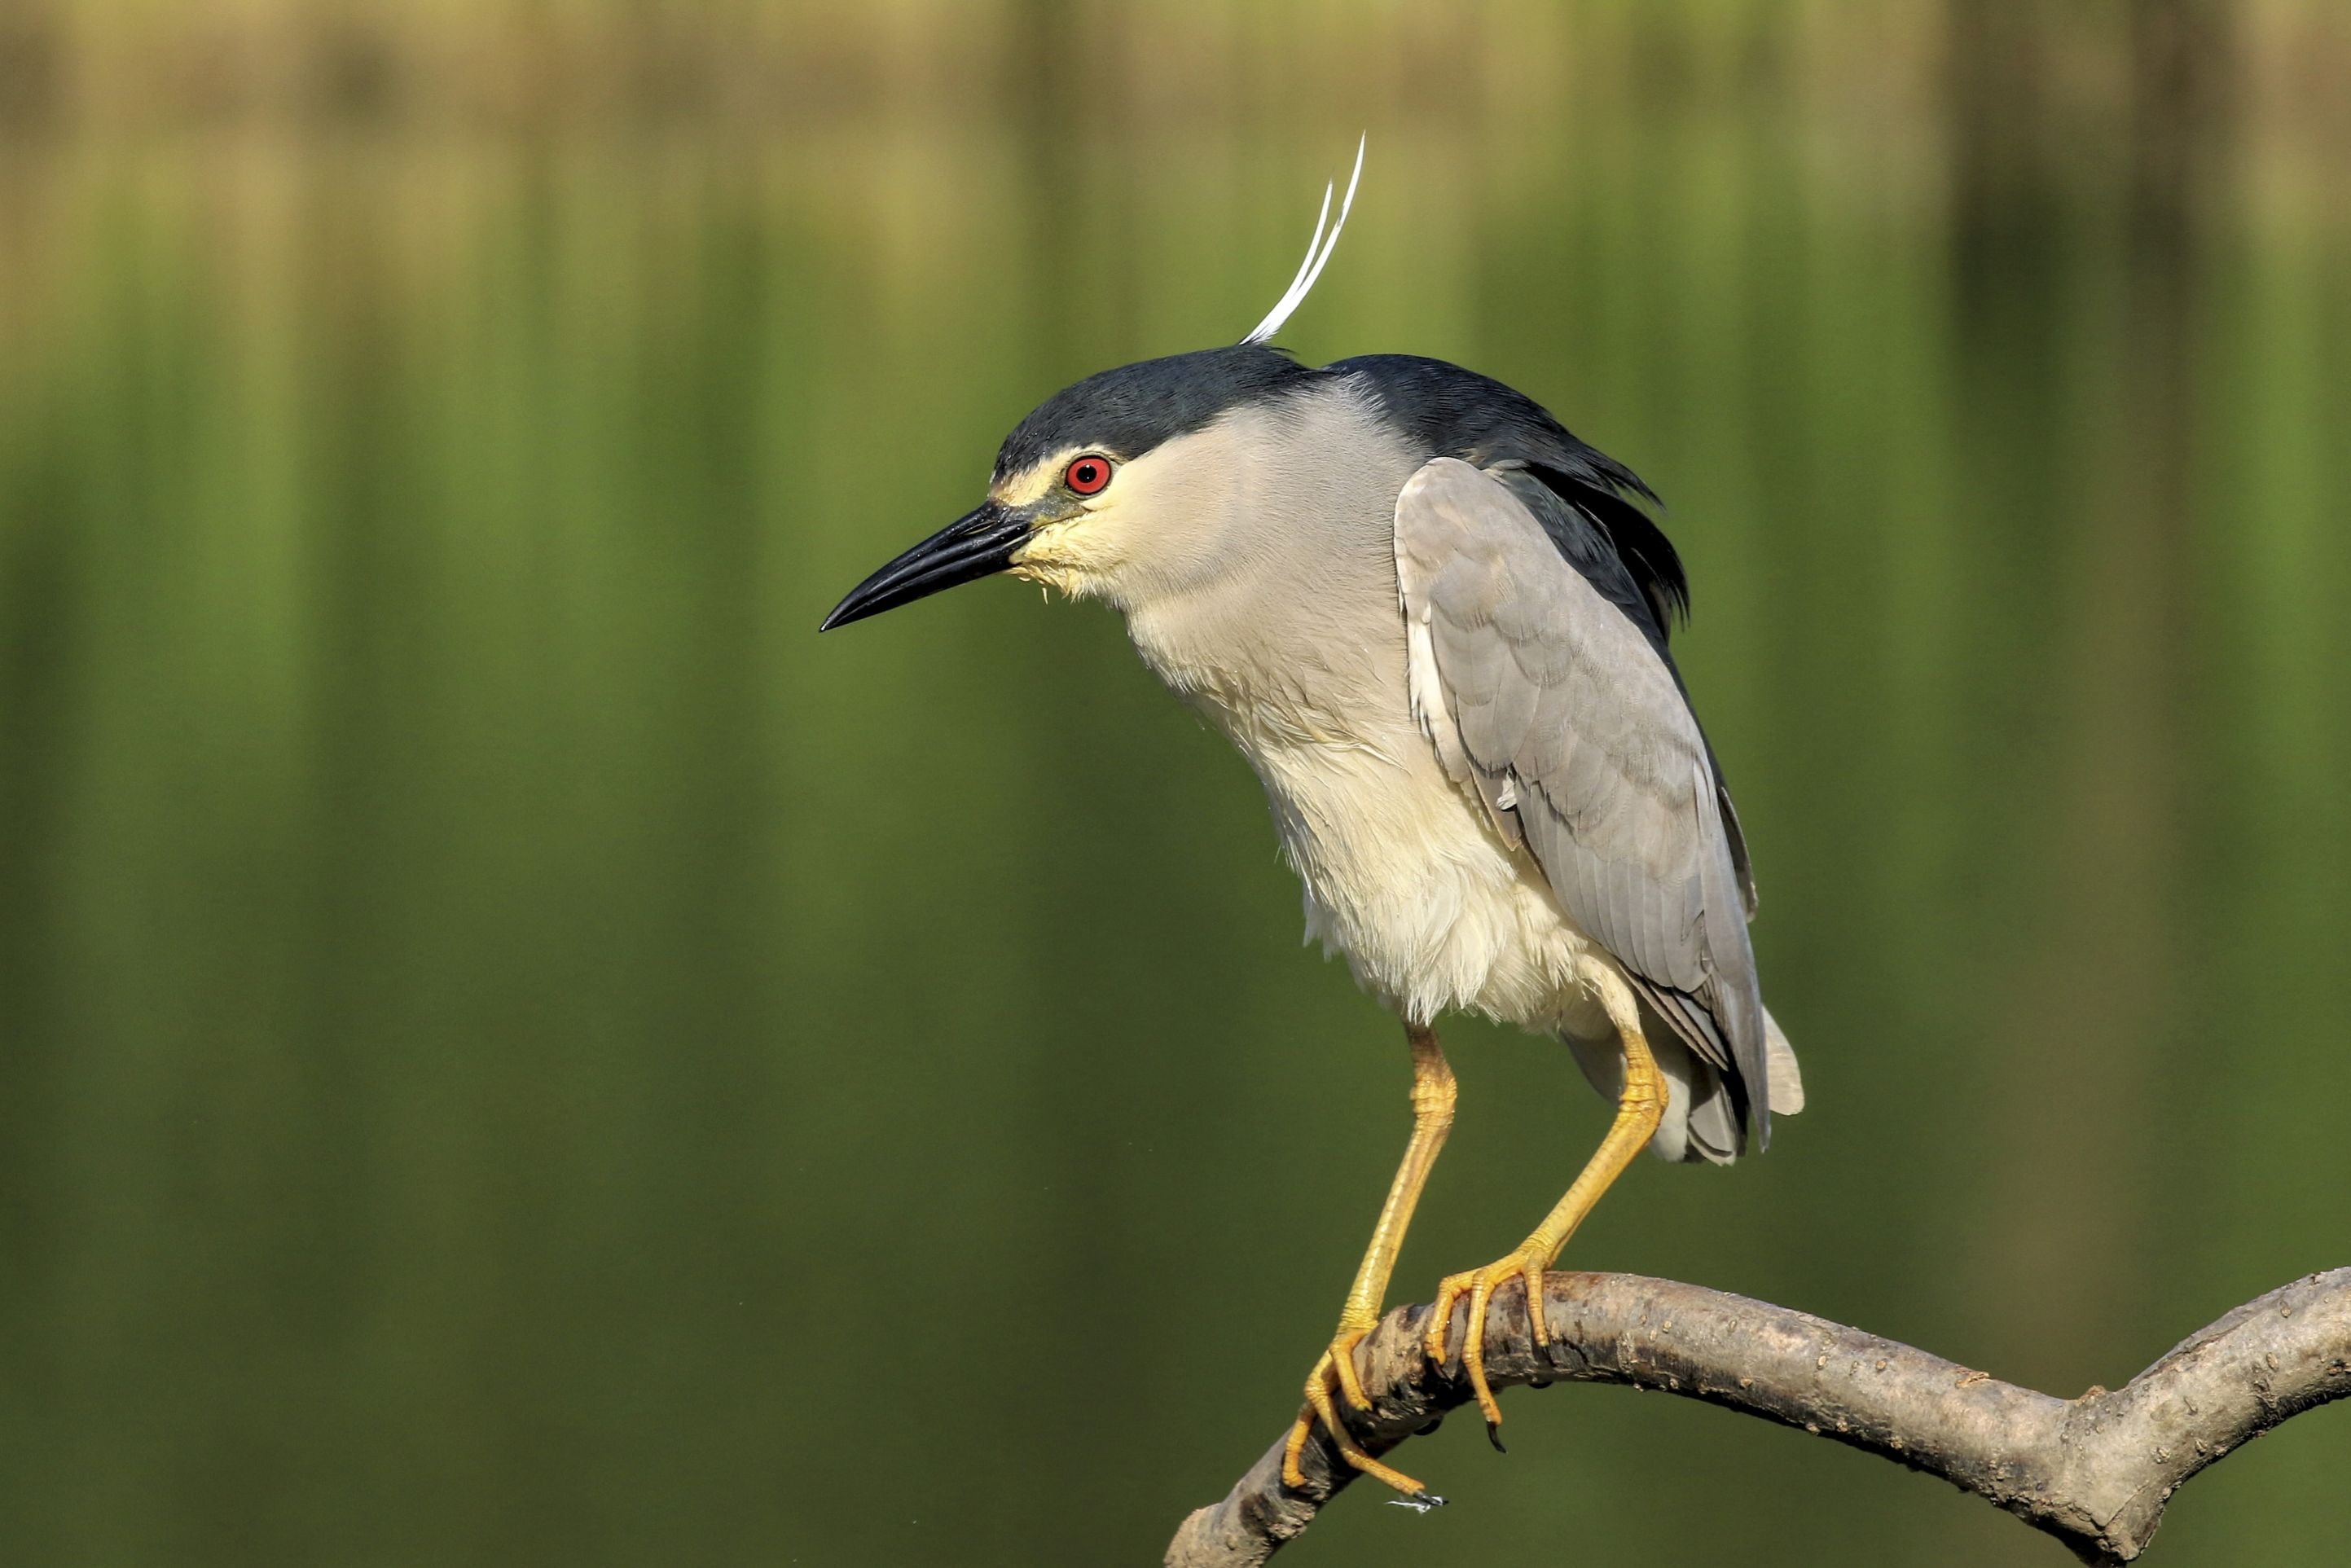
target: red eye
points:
(1088, 475)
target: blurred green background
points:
(512, 1050)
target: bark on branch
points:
(2094, 1472)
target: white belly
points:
(1409, 882)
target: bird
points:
(1436, 624)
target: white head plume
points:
(1318, 251)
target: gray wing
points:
(1575, 730)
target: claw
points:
(1479, 1286)
(1336, 1370)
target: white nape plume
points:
(1318, 251)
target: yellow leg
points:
(1432, 1117)
(1638, 1111)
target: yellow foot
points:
(1337, 1371)
(1527, 1264)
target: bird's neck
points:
(1307, 648)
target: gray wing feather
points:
(1552, 699)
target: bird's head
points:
(1104, 487)
(1107, 486)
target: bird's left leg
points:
(1639, 1108)
(1432, 1118)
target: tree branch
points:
(2094, 1472)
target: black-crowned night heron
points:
(1435, 622)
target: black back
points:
(1459, 413)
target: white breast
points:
(1406, 879)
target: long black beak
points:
(978, 544)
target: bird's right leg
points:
(1432, 1118)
